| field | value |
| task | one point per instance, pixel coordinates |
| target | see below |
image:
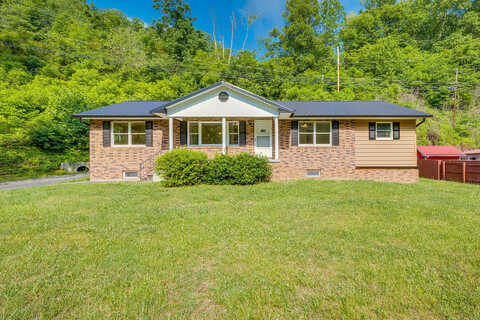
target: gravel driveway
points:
(41, 181)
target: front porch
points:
(226, 135)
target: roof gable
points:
(225, 86)
(207, 104)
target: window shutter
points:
(371, 131)
(335, 133)
(294, 129)
(183, 133)
(242, 139)
(149, 133)
(106, 134)
(396, 130)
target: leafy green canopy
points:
(309, 32)
(175, 28)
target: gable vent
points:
(223, 96)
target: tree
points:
(250, 20)
(175, 28)
(309, 32)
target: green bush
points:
(181, 167)
(248, 169)
(220, 170)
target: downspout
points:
(420, 123)
(416, 126)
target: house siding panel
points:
(386, 153)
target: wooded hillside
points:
(60, 57)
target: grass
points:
(305, 249)
(77, 180)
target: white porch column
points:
(170, 133)
(276, 138)
(224, 135)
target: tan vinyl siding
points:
(386, 153)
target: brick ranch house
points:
(302, 139)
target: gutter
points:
(115, 117)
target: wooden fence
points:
(460, 171)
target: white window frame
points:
(237, 133)
(391, 131)
(198, 133)
(200, 144)
(129, 135)
(315, 134)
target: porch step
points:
(156, 177)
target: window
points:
(129, 133)
(317, 133)
(233, 132)
(210, 133)
(130, 174)
(384, 130)
(193, 135)
(313, 173)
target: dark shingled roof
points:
(350, 109)
(334, 109)
(125, 109)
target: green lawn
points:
(305, 249)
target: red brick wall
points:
(336, 162)
(109, 163)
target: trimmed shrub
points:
(220, 170)
(181, 167)
(238, 169)
(248, 169)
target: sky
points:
(269, 13)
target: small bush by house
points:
(220, 170)
(248, 169)
(182, 167)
